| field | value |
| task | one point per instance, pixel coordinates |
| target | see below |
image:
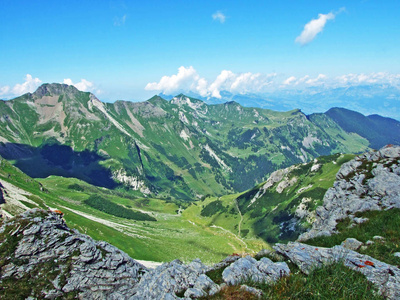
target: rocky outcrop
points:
(134, 182)
(248, 268)
(170, 279)
(371, 181)
(38, 247)
(386, 277)
(2, 200)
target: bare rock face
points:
(371, 181)
(247, 268)
(1, 194)
(170, 279)
(38, 245)
(386, 277)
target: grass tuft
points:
(380, 223)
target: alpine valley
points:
(182, 179)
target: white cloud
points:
(188, 80)
(202, 87)
(4, 90)
(312, 28)
(119, 21)
(219, 16)
(84, 85)
(316, 81)
(222, 82)
(378, 77)
(302, 79)
(30, 85)
(289, 80)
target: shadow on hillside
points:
(60, 160)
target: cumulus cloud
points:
(219, 16)
(188, 80)
(312, 28)
(30, 85)
(4, 90)
(289, 80)
(83, 85)
(222, 82)
(316, 81)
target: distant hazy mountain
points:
(182, 148)
(367, 99)
(378, 130)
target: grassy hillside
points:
(284, 206)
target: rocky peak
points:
(183, 100)
(55, 89)
(157, 100)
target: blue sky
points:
(132, 50)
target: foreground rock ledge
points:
(386, 277)
(37, 247)
(67, 261)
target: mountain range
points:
(368, 99)
(182, 149)
(185, 179)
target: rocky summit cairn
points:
(370, 181)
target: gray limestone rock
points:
(94, 270)
(368, 182)
(173, 278)
(256, 292)
(351, 244)
(1, 194)
(247, 268)
(386, 277)
(224, 263)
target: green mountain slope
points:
(179, 149)
(282, 207)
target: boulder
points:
(170, 279)
(247, 268)
(351, 244)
